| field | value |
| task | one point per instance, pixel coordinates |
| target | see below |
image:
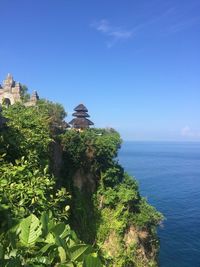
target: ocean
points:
(169, 177)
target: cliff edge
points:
(74, 179)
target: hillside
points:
(64, 198)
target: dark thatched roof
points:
(81, 123)
(80, 114)
(81, 107)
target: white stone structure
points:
(10, 91)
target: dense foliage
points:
(64, 196)
(44, 242)
(106, 202)
(34, 229)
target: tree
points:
(25, 96)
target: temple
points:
(80, 122)
(11, 92)
(33, 99)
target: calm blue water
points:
(169, 176)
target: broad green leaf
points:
(13, 253)
(3, 182)
(50, 239)
(79, 251)
(58, 229)
(66, 232)
(30, 230)
(46, 247)
(39, 261)
(62, 254)
(44, 220)
(92, 260)
(2, 250)
(69, 264)
(60, 242)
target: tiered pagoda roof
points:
(80, 121)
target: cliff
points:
(75, 178)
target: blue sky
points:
(134, 64)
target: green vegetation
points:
(44, 242)
(25, 96)
(64, 198)
(108, 209)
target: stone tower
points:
(10, 91)
(33, 100)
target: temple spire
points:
(34, 96)
(80, 122)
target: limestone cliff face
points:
(107, 210)
(137, 242)
(56, 158)
(84, 181)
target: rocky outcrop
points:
(84, 180)
(138, 244)
(145, 247)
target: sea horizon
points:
(168, 175)
(160, 141)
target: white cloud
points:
(114, 33)
(184, 24)
(102, 26)
(188, 132)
